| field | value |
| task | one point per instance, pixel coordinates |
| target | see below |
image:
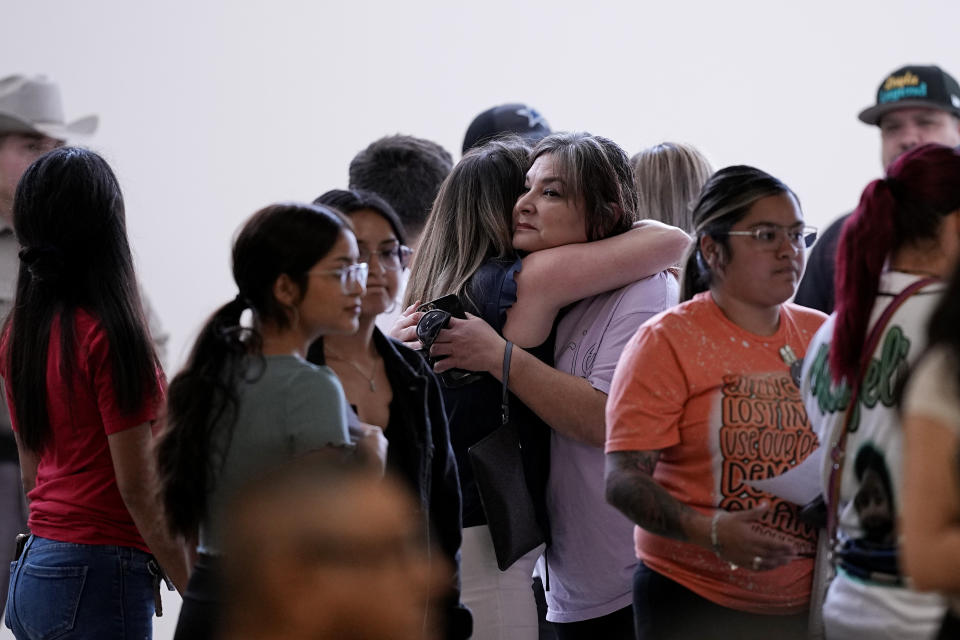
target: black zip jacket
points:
(419, 452)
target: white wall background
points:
(211, 109)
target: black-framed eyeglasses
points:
(349, 275)
(392, 259)
(771, 236)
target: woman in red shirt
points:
(84, 389)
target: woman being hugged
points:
(84, 389)
(468, 248)
(579, 188)
(893, 251)
(392, 387)
(247, 398)
(703, 402)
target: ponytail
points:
(865, 243)
(280, 239)
(695, 277)
(202, 397)
(905, 209)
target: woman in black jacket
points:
(392, 387)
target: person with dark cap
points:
(916, 104)
(516, 117)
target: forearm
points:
(171, 552)
(567, 403)
(932, 559)
(137, 480)
(554, 278)
(931, 505)
(630, 487)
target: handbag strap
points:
(504, 399)
(838, 451)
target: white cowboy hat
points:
(32, 105)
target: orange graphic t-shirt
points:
(720, 405)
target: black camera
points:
(436, 317)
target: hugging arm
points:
(553, 278)
(567, 403)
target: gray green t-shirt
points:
(293, 408)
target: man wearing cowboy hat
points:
(31, 123)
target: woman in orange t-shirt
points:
(702, 403)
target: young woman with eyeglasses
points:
(85, 392)
(703, 402)
(894, 253)
(247, 399)
(391, 386)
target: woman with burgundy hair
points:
(893, 251)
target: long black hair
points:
(69, 219)
(279, 239)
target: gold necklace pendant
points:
(368, 377)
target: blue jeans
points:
(78, 591)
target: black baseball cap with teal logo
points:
(915, 86)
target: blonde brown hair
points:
(669, 178)
(471, 219)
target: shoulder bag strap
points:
(504, 399)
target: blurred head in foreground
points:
(323, 549)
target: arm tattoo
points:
(632, 489)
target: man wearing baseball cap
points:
(521, 119)
(915, 105)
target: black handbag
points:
(502, 483)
